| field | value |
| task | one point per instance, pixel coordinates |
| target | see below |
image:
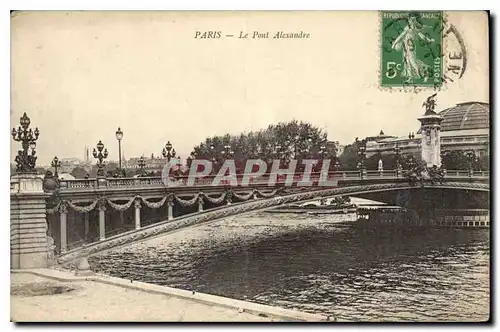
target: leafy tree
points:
(79, 172)
(458, 160)
(454, 160)
(40, 170)
(285, 140)
(111, 166)
(483, 163)
(410, 161)
(349, 158)
(389, 161)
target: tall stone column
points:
(63, 224)
(122, 219)
(86, 224)
(200, 203)
(137, 205)
(431, 141)
(170, 208)
(28, 223)
(102, 220)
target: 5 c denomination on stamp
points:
(411, 49)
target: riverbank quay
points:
(49, 295)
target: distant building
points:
(68, 164)
(464, 127)
(381, 136)
(152, 164)
(65, 176)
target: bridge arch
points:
(250, 206)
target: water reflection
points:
(312, 264)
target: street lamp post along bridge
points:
(100, 155)
(142, 164)
(119, 137)
(168, 151)
(56, 163)
(26, 158)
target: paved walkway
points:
(95, 301)
(49, 295)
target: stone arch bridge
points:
(204, 203)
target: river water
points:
(312, 264)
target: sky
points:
(81, 75)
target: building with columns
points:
(463, 127)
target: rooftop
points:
(465, 116)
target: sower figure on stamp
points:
(413, 67)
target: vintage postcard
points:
(327, 166)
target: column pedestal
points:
(431, 142)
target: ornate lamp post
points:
(322, 154)
(141, 163)
(471, 158)
(168, 151)
(309, 146)
(119, 136)
(100, 156)
(277, 151)
(56, 164)
(397, 151)
(322, 151)
(25, 159)
(337, 165)
(214, 160)
(296, 148)
(189, 160)
(227, 153)
(212, 151)
(282, 154)
(362, 156)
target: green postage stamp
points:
(411, 49)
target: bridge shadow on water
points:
(354, 273)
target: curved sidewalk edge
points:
(285, 315)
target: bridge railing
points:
(466, 173)
(182, 181)
(79, 184)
